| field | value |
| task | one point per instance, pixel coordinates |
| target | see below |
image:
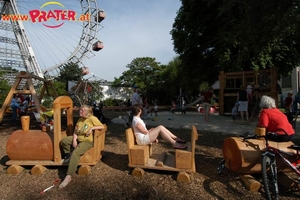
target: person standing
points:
(207, 96)
(296, 101)
(234, 112)
(242, 99)
(155, 109)
(288, 102)
(14, 106)
(136, 99)
(80, 142)
(249, 92)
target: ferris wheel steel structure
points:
(25, 57)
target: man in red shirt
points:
(207, 96)
(274, 121)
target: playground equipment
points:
(29, 80)
(141, 157)
(41, 148)
(230, 82)
(244, 157)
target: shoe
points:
(67, 159)
(179, 140)
(180, 146)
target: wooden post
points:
(251, 184)
(221, 93)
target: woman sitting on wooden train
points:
(276, 123)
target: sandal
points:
(179, 140)
(180, 146)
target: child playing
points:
(155, 109)
(288, 102)
(249, 92)
(234, 112)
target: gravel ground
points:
(111, 178)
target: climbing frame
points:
(230, 82)
(47, 89)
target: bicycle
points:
(269, 168)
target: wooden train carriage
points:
(141, 157)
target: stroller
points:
(97, 110)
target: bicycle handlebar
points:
(249, 136)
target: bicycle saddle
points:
(295, 147)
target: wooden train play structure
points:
(230, 82)
(40, 148)
(141, 157)
(244, 158)
(28, 81)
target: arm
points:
(263, 120)
(141, 128)
(99, 127)
(74, 143)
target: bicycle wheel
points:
(269, 176)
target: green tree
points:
(211, 36)
(4, 89)
(144, 73)
(69, 72)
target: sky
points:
(132, 29)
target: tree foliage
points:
(213, 36)
(4, 88)
(69, 72)
(144, 73)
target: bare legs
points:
(242, 115)
(206, 108)
(165, 134)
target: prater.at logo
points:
(44, 16)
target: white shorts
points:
(243, 106)
(142, 139)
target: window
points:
(286, 81)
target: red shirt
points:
(275, 121)
(288, 101)
(207, 96)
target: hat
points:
(290, 92)
(236, 104)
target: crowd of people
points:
(19, 105)
(274, 120)
(75, 145)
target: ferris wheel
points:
(40, 37)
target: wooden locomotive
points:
(40, 148)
